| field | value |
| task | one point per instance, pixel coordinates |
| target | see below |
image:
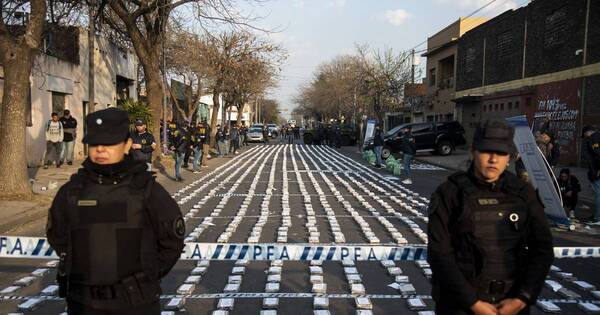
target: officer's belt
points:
(130, 290)
(493, 291)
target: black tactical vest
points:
(498, 220)
(110, 232)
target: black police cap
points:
(139, 122)
(107, 126)
(494, 136)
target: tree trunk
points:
(16, 56)
(14, 180)
(154, 93)
(213, 118)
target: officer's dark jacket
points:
(454, 256)
(407, 144)
(179, 138)
(105, 198)
(569, 185)
(200, 136)
(378, 138)
(145, 139)
(592, 151)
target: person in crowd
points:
(220, 138)
(243, 135)
(206, 144)
(408, 149)
(265, 132)
(178, 143)
(69, 135)
(235, 139)
(489, 243)
(592, 153)
(337, 136)
(116, 230)
(544, 142)
(54, 139)
(569, 190)
(143, 143)
(322, 135)
(378, 144)
(188, 129)
(226, 140)
(198, 139)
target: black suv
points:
(441, 137)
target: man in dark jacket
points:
(409, 149)
(116, 230)
(569, 190)
(592, 153)
(244, 134)
(143, 144)
(378, 144)
(69, 135)
(266, 134)
(199, 139)
(178, 144)
(235, 139)
(489, 244)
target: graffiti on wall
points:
(563, 119)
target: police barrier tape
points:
(34, 247)
(37, 247)
(261, 295)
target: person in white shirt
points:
(54, 139)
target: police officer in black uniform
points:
(116, 230)
(143, 143)
(490, 247)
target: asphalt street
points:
(298, 194)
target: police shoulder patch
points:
(179, 227)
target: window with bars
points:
(470, 60)
(504, 44)
(555, 31)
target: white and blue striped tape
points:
(37, 247)
(292, 295)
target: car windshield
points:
(255, 130)
(394, 130)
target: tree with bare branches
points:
(239, 65)
(368, 82)
(183, 53)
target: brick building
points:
(539, 60)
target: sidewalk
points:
(18, 216)
(459, 160)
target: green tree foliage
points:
(135, 110)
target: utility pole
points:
(91, 56)
(91, 64)
(412, 68)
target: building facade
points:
(59, 81)
(440, 73)
(539, 60)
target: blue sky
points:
(314, 31)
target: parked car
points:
(255, 135)
(439, 137)
(273, 130)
